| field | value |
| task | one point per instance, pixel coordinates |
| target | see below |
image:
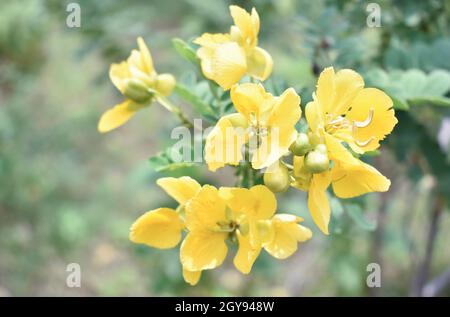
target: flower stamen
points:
(366, 122)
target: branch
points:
(437, 285)
(378, 236)
(423, 271)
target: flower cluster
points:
(344, 120)
(212, 216)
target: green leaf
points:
(400, 104)
(356, 213)
(437, 101)
(196, 101)
(336, 223)
(164, 161)
(185, 50)
(413, 87)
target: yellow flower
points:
(287, 233)
(162, 227)
(343, 111)
(211, 216)
(226, 58)
(266, 122)
(260, 227)
(138, 81)
(214, 215)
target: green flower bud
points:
(277, 178)
(322, 148)
(301, 145)
(136, 90)
(302, 175)
(165, 83)
(316, 161)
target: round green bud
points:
(317, 162)
(277, 178)
(301, 145)
(322, 148)
(136, 90)
(165, 83)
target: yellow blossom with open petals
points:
(259, 226)
(212, 216)
(343, 111)
(226, 58)
(264, 122)
(162, 227)
(138, 81)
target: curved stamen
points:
(364, 143)
(365, 123)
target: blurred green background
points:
(69, 194)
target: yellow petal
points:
(286, 112)
(257, 202)
(246, 254)
(335, 91)
(251, 99)
(181, 189)
(337, 152)
(224, 63)
(325, 91)
(350, 176)
(348, 84)
(314, 116)
(372, 109)
(146, 57)
(224, 143)
(118, 73)
(273, 146)
(160, 228)
(208, 43)
(117, 116)
(354, 180)
(255, 22)
(287, 234)
(318, 203)
(203, 250)
(205, 210)
(281, 121)
(259, 63)
(266, 203)
(136, 64)
(239, 200)
(247, 24)
(210, 40)
(191, 277)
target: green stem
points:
(216, 96)
(175, 110)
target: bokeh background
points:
(69, 194)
